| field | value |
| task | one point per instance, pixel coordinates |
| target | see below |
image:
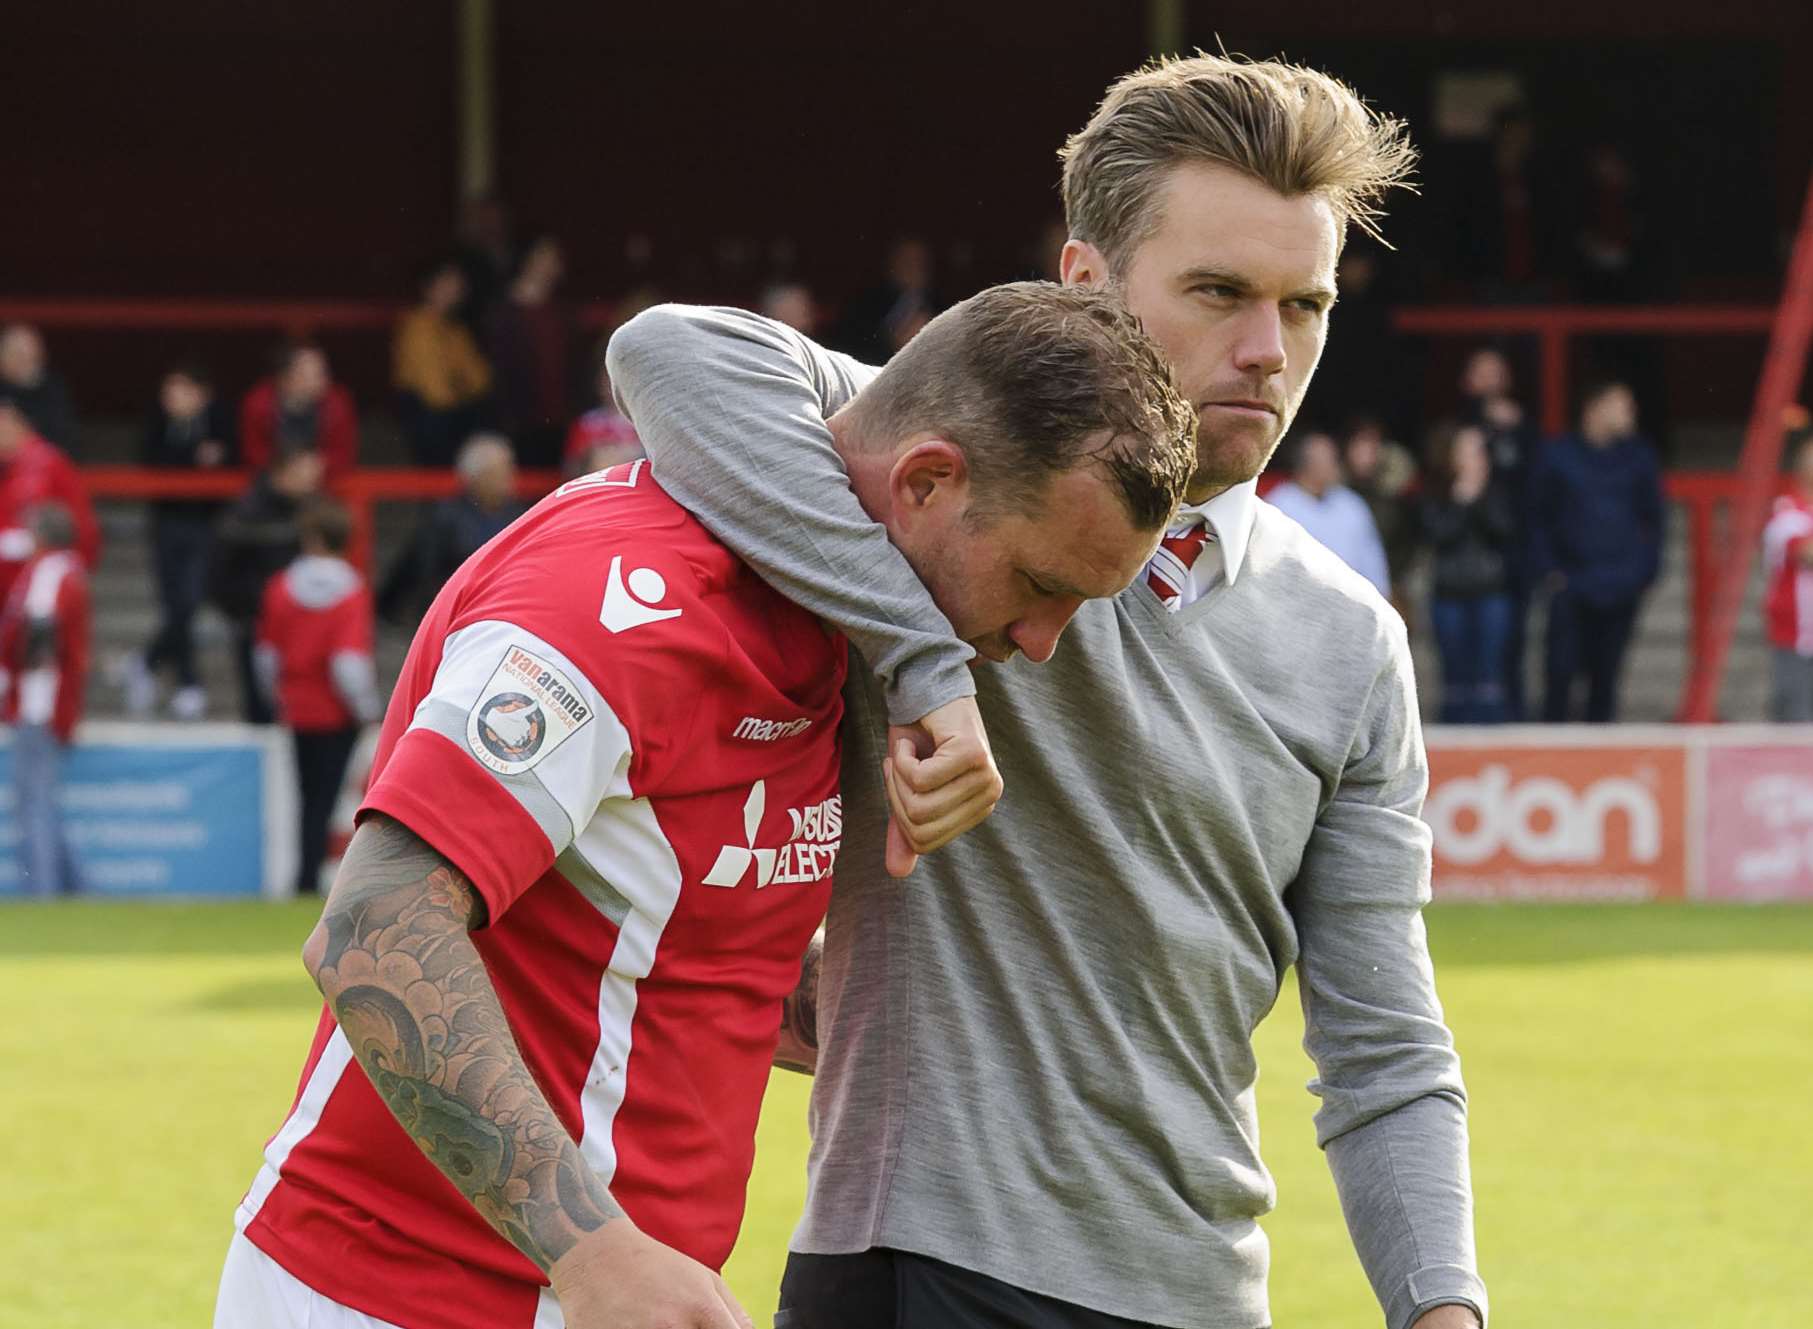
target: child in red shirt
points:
(313, 656)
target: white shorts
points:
(258, 1293)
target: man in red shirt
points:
(1788, 567)
(313, 658)
(599, 835)
(44, 638)
(300, 405)
(33, 471)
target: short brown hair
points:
(327, 523)
(1033, 379)
(1294, 129)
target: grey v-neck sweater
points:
(1036, 1056)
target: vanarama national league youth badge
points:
(527, 709)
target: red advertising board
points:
(1759, 822)
(1559, 822)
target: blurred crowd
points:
(1498, 526)
(1479, 529)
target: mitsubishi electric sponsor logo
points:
(808, 855)
(768, 731)
(635, 600)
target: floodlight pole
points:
(1165, 26)
(476, 90)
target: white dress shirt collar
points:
(1230, 515)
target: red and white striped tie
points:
(1169, 571)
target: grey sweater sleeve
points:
(731, 408)
(1393, 1117)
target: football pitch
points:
(1642, 1083)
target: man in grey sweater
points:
(1034, 1101)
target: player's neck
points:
(867, 468)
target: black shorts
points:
(884, 1289)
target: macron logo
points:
(635, 601)
(768, 731)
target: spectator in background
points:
(788, 302)
(1383, 473)
(1596, 539)
(1605, 243)
(189, 430)
(44, 636)
(1506, 228)
(1488, 401)
(1470, 525)
(257, 539)
(442, 381)
(529, 337)
(33, 472)
(36, 388)
(454, 528)
(603, 436)
(315, 667)
(1788, 570)
(886, 317)
(486, 255)
(1365, 365)
(1316, 499)
(300, 406)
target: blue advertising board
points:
(166, 810)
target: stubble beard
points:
(1235, 457)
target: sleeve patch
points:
(525, 711)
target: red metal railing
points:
(295, 317)
(1706, 498)
(361, 491)
(1759, 468)
(1556, 326)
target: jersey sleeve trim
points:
(520, 708)
(589, 882)
(449, 721)
(454, 806)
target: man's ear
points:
(929, 479)
(1082, 264)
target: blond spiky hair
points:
(1294, 129)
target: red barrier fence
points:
(361, 491)
(1556, 326)
(1704, 496)
(292, 317)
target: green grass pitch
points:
(1642, 1084)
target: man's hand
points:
(1448, 1317)
(620, 1278)
(941, 781)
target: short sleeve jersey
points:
(629, 743)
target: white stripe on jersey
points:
(1803, 611)
(334, 1060)
(46, 581)
(627, 846)
(576, 775)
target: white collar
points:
(1230, 516)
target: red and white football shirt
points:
(1789, 606)
(629, 743)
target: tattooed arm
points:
(798, 1048)
(393, 957)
